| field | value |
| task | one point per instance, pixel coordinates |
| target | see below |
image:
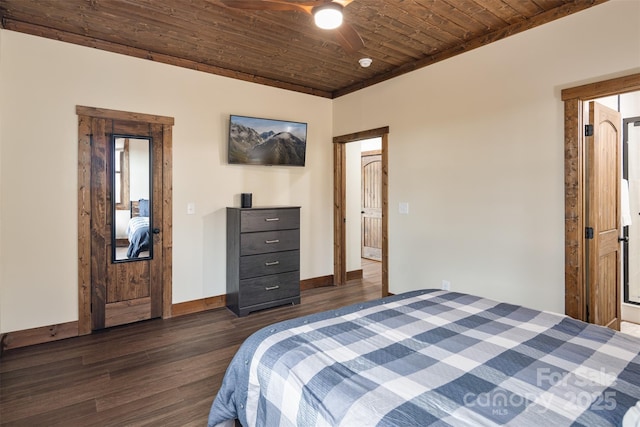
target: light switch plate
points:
(403, 208)
(191, 208)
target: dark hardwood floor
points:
(158, 372)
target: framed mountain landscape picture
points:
(256, 141)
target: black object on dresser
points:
(263, 258)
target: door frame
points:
(574, 184)
(85, 114)
(339, 204)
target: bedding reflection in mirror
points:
(131, 235)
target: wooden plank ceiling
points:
(284, 48)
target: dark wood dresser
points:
(263, 258)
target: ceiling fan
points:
(327, 14)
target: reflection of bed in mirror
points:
(138, 231)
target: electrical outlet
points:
(446, 285)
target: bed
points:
(138, 231)
(432, 357)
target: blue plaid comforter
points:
(428, 358)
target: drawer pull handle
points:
(272, 263)
(272, 219)
(272, 288)
(272, 241)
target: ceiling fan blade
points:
(344, 3)
(349, 38)
(280, 5)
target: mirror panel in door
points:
(631, 130)
(131, 205)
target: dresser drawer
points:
(269, 288)
(269, 241)
(264, 264)
(269, 219)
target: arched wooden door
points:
(604, 284)
(371, 195)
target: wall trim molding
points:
(44, 334)
(196, 306)
(40, 335)
(354, 274)
(316, 282)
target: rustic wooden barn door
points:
(372, 206)
(602, 138)
(120, 282)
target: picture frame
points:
(269, 142)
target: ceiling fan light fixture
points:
(328, 16)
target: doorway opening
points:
(370, 205)
(340, 204)
(576, 293)
(364, 209)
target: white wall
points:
(139, 168)
(476, 148)
(42, 81)
(371, 144)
